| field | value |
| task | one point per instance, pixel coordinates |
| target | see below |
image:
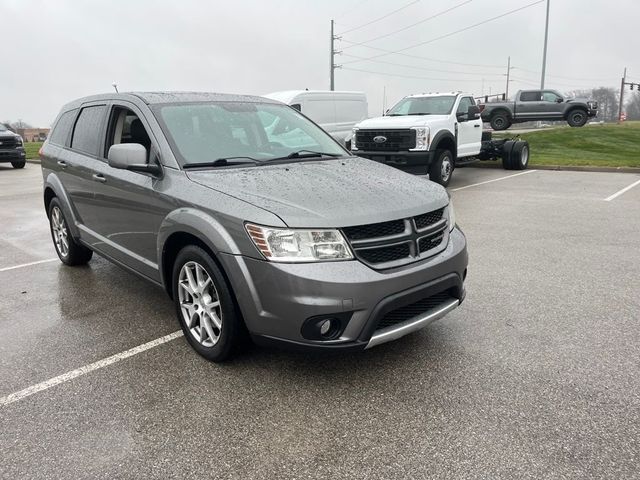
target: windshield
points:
(424, 106)
(3, 128)
(201, 133)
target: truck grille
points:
(398, 242)
(8, 142)
(416, 309)
(396, 140)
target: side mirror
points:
(473, 112)
(133, 157)
(559, 100)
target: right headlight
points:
(299, 245)
(452, 215)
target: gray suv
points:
(253, 219)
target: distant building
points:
(33, 134)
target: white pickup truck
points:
(432, 133)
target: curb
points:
(569, 168)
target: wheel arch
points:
(501, 110)
(445, 140)
(53, 188)
(573, 108)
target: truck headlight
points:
(299, 245)
(353, 139)
(452, 215)
(19, 141)
(422, 138)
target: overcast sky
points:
(56, 51)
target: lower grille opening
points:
(385, 254)
(408, 312)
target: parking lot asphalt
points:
(536, 375)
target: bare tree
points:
(607, 99)
(633, 107)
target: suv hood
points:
(328, 193)
(406, 121)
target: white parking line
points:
(620, 192)
(6, 269)
(494, 180)
(65, 377)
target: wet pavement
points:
(536, 375)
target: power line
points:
(421, 58)
(408, 76)
(410, 26)
(484, 74)
(379, 18)
(455, 32)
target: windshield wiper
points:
(307, 154)
(222, 162)
(420, 113)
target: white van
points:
(336, 112)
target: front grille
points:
(9, 142)
(385, 254)
(398, 242)
(373, 230)
(427, 219)
(413, 310)
(396, 140)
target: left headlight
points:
(452, 215)
(19, 141)
(422, 138)
(299, 245)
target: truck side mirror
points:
(559, 100)
(473, 112)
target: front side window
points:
(126, 127)
(86, 133)
(465, 103)
(424, 106)
(209, 131)
(62, 129)
(550, 97)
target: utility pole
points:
(622, 84)
(544, 52)
(332, 64)
(506, 95)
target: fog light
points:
(325, 327)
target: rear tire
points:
(577, 118)
(19, 164)
(500, 121)
(69, 251)
(519, 156)
(205, 305)
(507, 147)
(442, 167)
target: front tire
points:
(500, 121)
(69, 251)
(577, 118)
(204, 305)
(19, 164)
(441, 168)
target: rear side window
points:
(530, 96)
(61, 131)
(87, 133)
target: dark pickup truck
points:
(11, 148)
(534, 105)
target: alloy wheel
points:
(60, 232)
(199, 304)
(445, 169)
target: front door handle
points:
(62, 163)
(476, 126)
(98, 177)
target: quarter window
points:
(87, 132)
(60, 133)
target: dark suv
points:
(253, 219)
(11, 148)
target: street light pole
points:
(544, 52)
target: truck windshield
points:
(208, 133)
(442, 105)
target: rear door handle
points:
(98, 177)
(62, 163)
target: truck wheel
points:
(500, 121)
(441, 168)
(519, 158)
(577, 118)
(507, 148)
(18, 164)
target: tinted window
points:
(60, 133)
(530, 96)
(86, 134)
(464, 105)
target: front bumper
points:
(276, 298)
(411, 162)
(12, 154)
